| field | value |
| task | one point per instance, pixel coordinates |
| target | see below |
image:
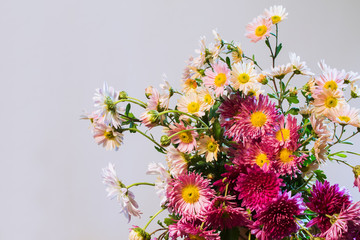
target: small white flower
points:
(276, 14)
(299, 67)
(162, 180)
(107, 136)
(279, 72)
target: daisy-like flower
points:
(162, 180)
(154, 100)
(287, 162)
(356, 171)
(137, 233)
(116, 189)
(217, 79)
(150, 118)
(190, 195)
(191, 231)
(256, 154)
(279, 72)
(277, 219)
(320, 126)
(185, 139)
(345, 116)
(177, 161)
(355, 91)
(326, 100)
(299, 67)
(206, 96)
(276, 14)
(229, 109)
(104, 100)
(206, 54)
(237, 54)
(253, 90)
(189, 85)
(243, 75)
(257, 118)
(320, 148)
(331, 79)
(166, 94)
(258, 29)
(286, 134)
(326, 200)
(107, 136)
(257, 187)
(191, 104)
(209, 146)
(345, 225)
(224, 213)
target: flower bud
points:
(138, 234)
(123, 95)
(293, 91)
(165, 140)
(262, 79)
(148, 91)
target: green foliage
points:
(319, 175)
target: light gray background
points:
(54, 54)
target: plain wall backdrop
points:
(54, 54)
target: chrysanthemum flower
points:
(237, 54)
(257, 187)
(253, 90)
(166, 93)
(206, 54)
(276, 14)
(189, 195)
(255, 154)
(191, 231)
(287, 163)
(149, 118)
(299, 67)
(327, 99)
(259, 28)
(107, 136)
(189, 85)
(154, 100)
(191, 104)
(326, 200)
(320, 126)
(331, 79)
(217, 79)
(242, 75)
(116, 189)
(224, 213)
(104, 100)
(286, 134)
(356, 171)
(277, 219)
(279, 72)
(228, 182)
(137, 233)
(345, 115)
(162, 180)
(210, 147)
(177, 161)
(257, 118)
(186, 139)
(320, 148)
(206, 96)
(230, 109)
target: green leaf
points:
(278, 49)
(128, 107)
(341, 155)
(169, 221)
(230, 234)
(292, 100)
(160, 150)
(271, 95)
(217, 130)
(350, 143)
(267, 42)
(293, 111)
(282, 85)
(228, 62)
(319, 174)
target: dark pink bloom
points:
(229, 178)
(191, 230)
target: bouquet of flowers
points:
(243, 145)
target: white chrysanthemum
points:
(345, 115)
(242, 75)
(176, 161)
(331, 79)
(206, 54)
(166, 94)
(355, 90)
(162, 180)
(299, 67)
(306, 109)
(206, 96)
(108, 111)
(116, 189)
(276, 14)
(352, 76)
(327, 99)
(107, 136)
(191, 104)
(279, 72)
(254, 90)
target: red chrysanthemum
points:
(287, 162)
(257, 187)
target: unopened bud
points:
(262, 79)
(356, 171)
(148, 91)
(354, 94)
(165, 140)
(123, 95)
(139, 234)
(154, 115)
(293, 92)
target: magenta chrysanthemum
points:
(229, 109)
(257, 187)
(186, 139)
(191, 231)
(255, 119)
(190, 195)
(287, 163)
(277, 220)
(326, 200)
(224, 213)
(229, 178)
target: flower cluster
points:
(243, 158)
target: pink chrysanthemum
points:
(229, 109)
(217, 79)
(149, 118)
(356, 171)
(257, 187)
(259, 28)
(229, 179)
(107, 136)
(190, 195)
(255, 119)
(177, 161)
(277, 219)
(186, 140)
(225, 213)
(331, 79)
(287, 163)
(286, 134)
(191, 231)
(326, 200)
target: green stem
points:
(132, 101)
(303, 185)
(350, 136)
(137, 100)
(342, 161)
(339, 138)
(248, 58)
(187, 114)
(307, 140)
(137, 130)
(186, 130)
(140, 183)
(304, 229)
(153, 217)
(288, 81)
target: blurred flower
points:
(299, 67)
(279, 72)
(276, 14)
(177, 161)
(162, 180)
(137, 233)
(356, 171)
(107, 136)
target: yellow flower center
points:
(261, 159)
(195, 237)
(285, 155)
(186, 137)
(344, 118)
(207, 99)
(331, 102)
(331, 84)
(109, 135)
(251, 93)
(220, 79)
(190, 194)
(283, 134)
(191, 83)
(243, 78)
(258, 119)
(260, 30)
(275, 19)
(193, 107)
(211, 146)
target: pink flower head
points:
(107, 136)
(186, 140)
(224, 213)
(229, 178)
(277, 220)
(356, 171)
(217, 79)
(229, 109)
(259, 28)
(287, 162)
(258, 187)
(191, 230)
(189, 195)
(326, 200)
(331, 79)
(154, 99)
